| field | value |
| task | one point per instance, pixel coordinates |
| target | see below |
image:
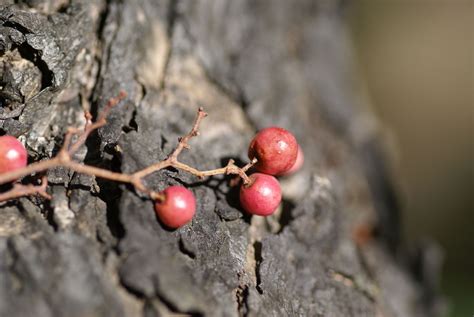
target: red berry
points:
(275, 149)
(177, 208)
(262, 196)
(298, 164)
(12, 154)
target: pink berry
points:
(177, 208)
(298, 164)
(262, 196)
(12, 154)
(275, 149)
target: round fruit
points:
(262, 196)
(12, 154)
(298, 164)
(275, 149)
(177, 208)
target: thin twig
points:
(100, 122)
(183, 142)
(29, 169)
(70, 147)
(172, 159)
(20, 190)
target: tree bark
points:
(97, 248)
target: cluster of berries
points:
(277, 153)
(275, 150)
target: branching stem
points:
(65, 158)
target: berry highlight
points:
(13, 154)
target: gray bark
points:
(97, 248)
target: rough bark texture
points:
(97, 248)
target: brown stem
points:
(65, 159)
(172, 159)
(29, 169)
(20, 190)
(100, 122)
(183, 142)
(98, 172)
(231, 168)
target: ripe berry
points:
(12, 154)
(262, 196)
(177, 208)
(298, 164)
(275, 149)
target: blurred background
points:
(417, 59)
